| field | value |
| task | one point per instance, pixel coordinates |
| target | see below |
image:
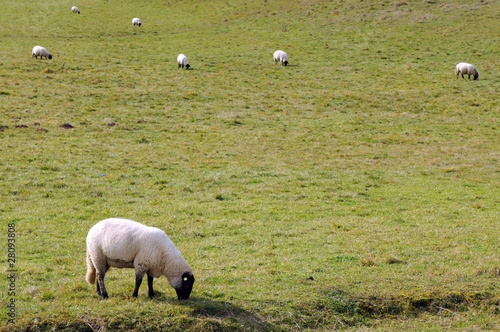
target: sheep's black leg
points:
(100, 286)
(138, 281)
(150, 287)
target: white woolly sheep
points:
(75, 9)
(39, 51)
(467, 69)
(136, 21)
(123, 243)
(280, 56)
(182, 61)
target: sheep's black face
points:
(186, 287)
(285, 63)
(476, 77)
(50, 57)
(187, 66)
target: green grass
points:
(365, 164)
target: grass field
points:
(364, 164)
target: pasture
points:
(358, 188)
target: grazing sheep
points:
(123, 243)
(182, 61)
(75, 9)
(136, 21)
(467, 69)
(41, 52)
(280, 56)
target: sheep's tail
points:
(90, 271)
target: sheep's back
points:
(124, 240)
(115, 238)
(466, 68)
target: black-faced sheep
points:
(136, 21)
(75, 9)
(123, 243)
(182, 61)
(39, 51)
(280, 56)
(466, 69)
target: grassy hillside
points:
(364, 164)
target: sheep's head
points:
(476, 76)
(285, 63)
(140, 24)
(187, 66)
(184, 290)
(50, 57)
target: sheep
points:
(39, 51)
(136, 21)
(124, 243)
(182, 61)
(467, 69)
(75, 9)
(280, 56)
